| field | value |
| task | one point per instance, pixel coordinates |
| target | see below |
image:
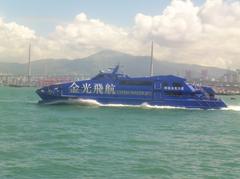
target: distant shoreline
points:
(228, 94)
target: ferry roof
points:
(157, 78)
(113, 73)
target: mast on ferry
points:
(151, 65)
(29, 65)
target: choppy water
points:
(94, 141)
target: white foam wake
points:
(232, 108)
(91, 102)
(146, 105)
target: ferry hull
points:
(181, 103)
(116, 88)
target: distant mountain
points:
(132, 65)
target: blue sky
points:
(44, 15)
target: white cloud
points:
(179, 22)
(206, 35)
(85, 36)
(13, 40)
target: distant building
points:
(188, 74)
(238, 75)
(204, 75)
(232, 77)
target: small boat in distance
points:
(112, 87)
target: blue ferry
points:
(112, 87)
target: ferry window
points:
(176, 84)
(173, 93)
(135, 83)
(98, 77)
(164, 84)
(101, 76)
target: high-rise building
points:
(204, 74)
(188, 74)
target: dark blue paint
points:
(156, 90)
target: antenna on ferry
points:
(151, 65)
(115, 70)
(29, 64)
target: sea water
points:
(90, 140)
